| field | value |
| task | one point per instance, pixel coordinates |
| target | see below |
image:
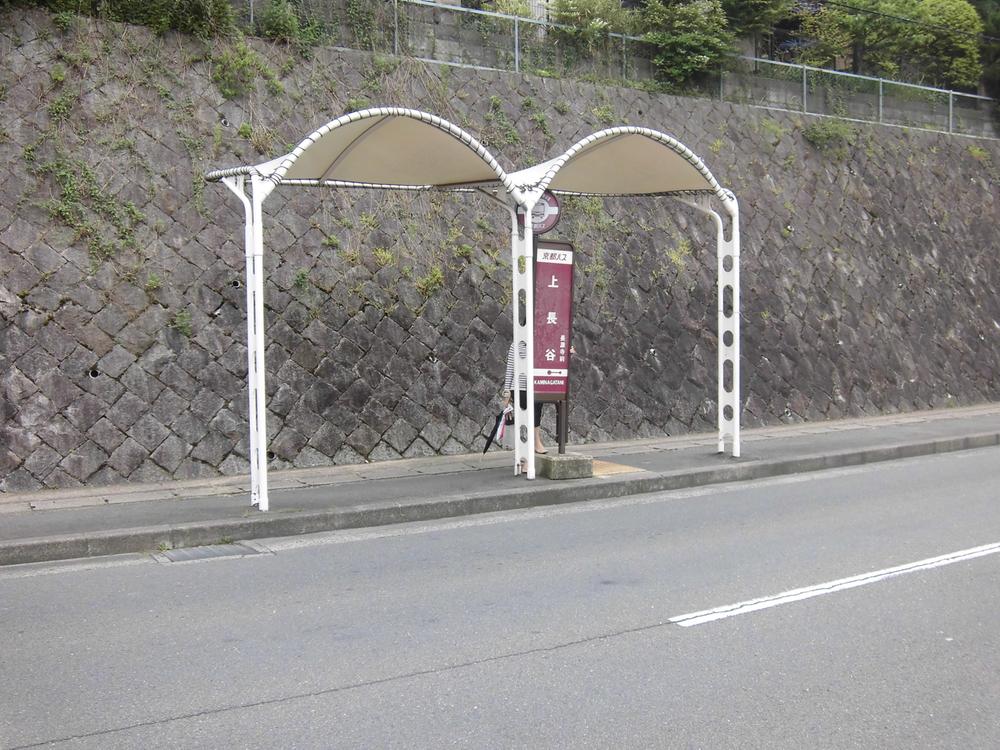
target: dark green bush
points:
(201, 18)
(280, 21)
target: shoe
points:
(543, 451)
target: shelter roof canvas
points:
(390, 147)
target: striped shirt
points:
(508, 378)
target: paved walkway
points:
(61, 524)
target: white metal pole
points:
(395, 27)
(522, 285)
(515, 290)
(517, 46)
(529, 334)
(259, 191)
(733, 208)
(804, 88)
(728, 326)
(237, 185)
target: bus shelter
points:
(405, 149)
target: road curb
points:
(278, 523)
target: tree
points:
(989, 11)
(926, 41)
(689, 39)
(756, 18)
(592, 21)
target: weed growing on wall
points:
(237, 67)
(181, 322)
(280, 21)
(431, 282)
(80, 202)
(831, 136)
(499, 130)
(979, 153)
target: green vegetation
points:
(361, 18)
(979, 153)
(689, 40)
(181, 322)
(280, 20)
(499, 130)
(938, 45)
(383, 257)
(79, 202)
(592, 21)
(237, 67)
(431, 282)
(153, 282)
(201, 18)
(301, 281)
(604, 114)
(356, 104)
(831, 136)
(60, 107)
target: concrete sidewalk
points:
(62, 524)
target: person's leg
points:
(539, 448)
(523, 397)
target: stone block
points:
(126, 411)
(42, 461)
(85, 411)
(287, 444)
(148, 431)
(106, 435)
(127, 457)
(59, 389)
(213, 448)
(115, 362)
(170, 453)
(400, 436)
(84, 461)
(564, 466)
(141, 383)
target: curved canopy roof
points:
(386, 147)
(623, 161)
(392, 147)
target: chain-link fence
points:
(457, 35)
(768, 83)
(466, 36)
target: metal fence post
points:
(624, 59)
(517, 46)
(251, 13)
(880, 99)
(395, 27)
(805, 85)
(951, 111)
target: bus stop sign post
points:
(553, 329)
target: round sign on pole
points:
(545, 214)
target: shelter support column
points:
(255, 356)
(254, 283)
(729, 327)
(522, 243)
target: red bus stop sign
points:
(553, 318)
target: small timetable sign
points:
(553, 319)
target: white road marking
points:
(796, 595)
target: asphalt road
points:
(566, 627)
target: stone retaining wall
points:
(869, 266)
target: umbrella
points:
(499, 427)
